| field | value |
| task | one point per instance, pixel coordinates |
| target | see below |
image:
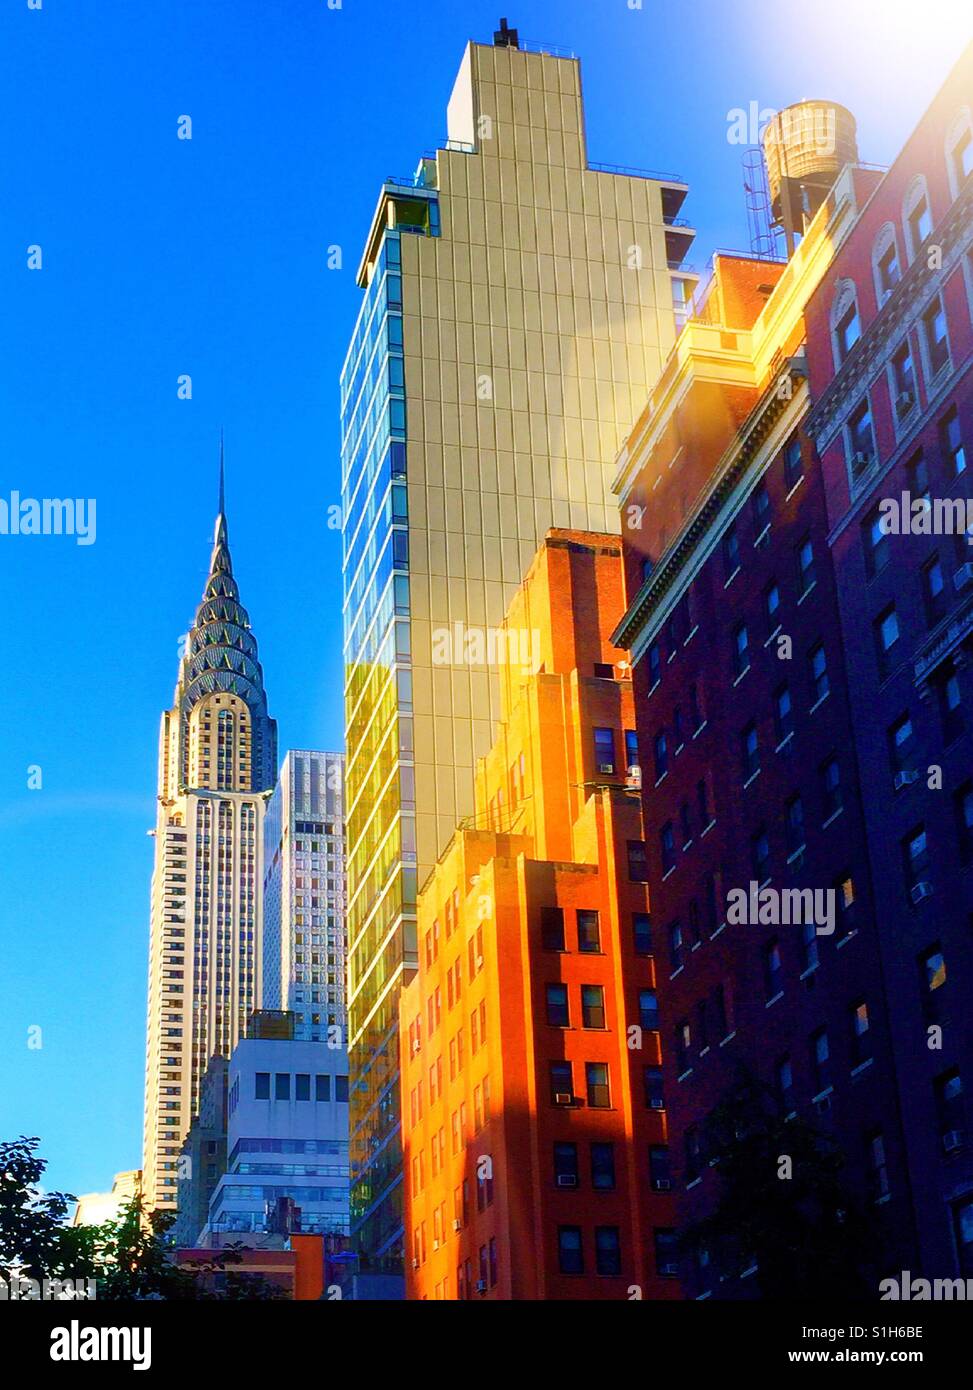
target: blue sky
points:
(209, 257)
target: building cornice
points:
(896, 316)
(747, 440)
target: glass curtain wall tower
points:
(518, 302)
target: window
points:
(794, 826)
(820, 1060)
(608, 1255)
(667, 841)
(603, 1167)
(322, 1089)
(302, 1086)
(702, 804)
(933, 590)
(282, 1085)
(952, 444)
(638, 864)
(847, 331)
(810, 946)
(886, 628)
(918, 218)
(963, 811)
(642, 933)
(934, 334)
(605, 750)
(632, 761)
(773, 970)
(660, 1173)
(655, 664)
(596, 1079)
(805, 567)
(819, 673)
(886, 257)
(959, 151)
(262, 1085)
(760, 855)
(696, 709)
(665, 1251)
(565, 1165)
(932, 970)
(675, 946)
(772, 608)
(749, 752)
(861, 445)
(861, 1045)
(741, 649)
(950, 705)
(832, 797)
(901, 741)
(878, 1172)
(557, 1005)
(683, 1038)
(592, 1006)
(493, 1262)
(915, 857)
(731, 551)
(562, 1085)
(793, 465)
(589, 932)
(760, 503)
(652, 1088)
(570, 1256)
(552, 928)
(903, 381)
(685, 824)
(963, 1228)
(783, 713)
(661, 756)
(648, 1010)
(875, 544)
(948, 1091)
(785, 1084)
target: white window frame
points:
(914, 195)
(946, 369)
(845, 296)
(886, 237)
(962, 123)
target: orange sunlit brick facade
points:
(536, 1164)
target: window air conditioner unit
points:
(952, 1140)
(457, 1224)
(435, 1245)
(479, 962)
(963, 576)
(415, 1262)
(606, 767)
(905, 778)
(860, 461)
(662, 1185)
(634, 778)
(481, 1286)
(657, 1104)
(416, 1045)
(921, 891)
(669, 1269)
(566, 1180)
(904, 401)
(563, 1098)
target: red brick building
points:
(890, 348)
(535, 1142)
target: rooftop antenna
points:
(221, 508)
(505, 37)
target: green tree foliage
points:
(784, 1204)
(130, 1256)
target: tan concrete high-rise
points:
(217, 766)
(519, 302)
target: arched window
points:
(916, 216)
(886, 266)
(959, 151)
(845, 321)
